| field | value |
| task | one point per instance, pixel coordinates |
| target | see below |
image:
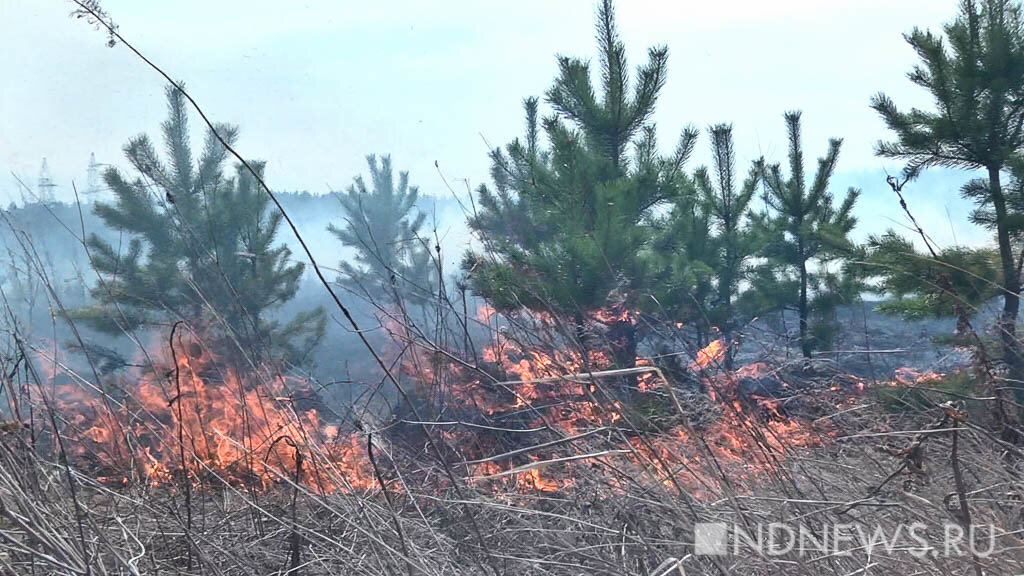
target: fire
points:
(202, 419)
(647, 381)
(195, 418)
(617, 314)
(493, 475)
(531, 374)
(535, 480)
(552, 386)
(484, 313)
(909, 377)
(710, 354)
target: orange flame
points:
(906, 376)
(710, 354)
(252, 431)
(207, 420)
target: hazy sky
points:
(315, 86)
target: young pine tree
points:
(681, 259)
(564, 225)
(802, 234)
(977, 83)
(201, 248)
(382, 225)
(727, 203)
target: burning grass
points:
(548, 462)
(198, 418)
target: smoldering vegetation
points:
(605, 360)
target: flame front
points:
(199, 418)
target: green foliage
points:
(681, 259)
(976, 78)
(701, 246)
(977, 82)
(770, 289)
(609, 124)
(802, 234)
(926, 396)
(919, 285)
(573, 225)
(1011, 195)
(565, 226)
(383, 226)
(200, 247)
(727, 206)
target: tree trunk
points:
(1011, 289)
(805, 343)
(623, 341)
(725, 289)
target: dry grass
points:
(622, 513)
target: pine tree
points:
(611, 123)
(565, 225)
(955, 281)
(680, 261)
(727, 204)
(382, 226)
(977, 82)
(201, 248)
(802, 233)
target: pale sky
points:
(315, 86)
